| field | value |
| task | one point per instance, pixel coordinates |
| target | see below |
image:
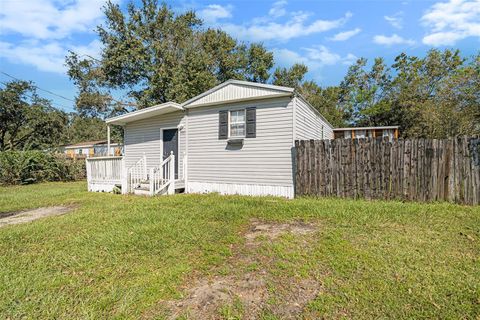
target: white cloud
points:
(349, 59)
(395, 20)
(394, 39)
(48, 57)
(296, 26)
(314, 57)
(343, 36)
(214, 12)
(289, 57)
(47, 19)
(278, 9)
(44, 31)
(451, 21)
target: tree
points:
(363, 92)
(436, 96)
(28, 121)
(155, 55)
(291, 77)
(325, 101)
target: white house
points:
(236, 138)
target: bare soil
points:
(205, 296)
(9, 218)
(272, 231)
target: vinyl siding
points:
(143, 136)
(264, 160)
(235, 92)
(308, 124)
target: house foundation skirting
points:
(102, 186)
(242, 189)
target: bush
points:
(24, 167)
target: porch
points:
(110, 174)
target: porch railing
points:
(104, 171)
(137, 173)
(163, 176)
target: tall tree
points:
(155, 55)
(363, 92)
(325, 100)
(434, 96)
(290, 77)
(28, 121)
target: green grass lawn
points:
(121, 256)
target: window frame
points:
(244, 110)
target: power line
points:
(68, 99)
(48, 91)
(31, 97)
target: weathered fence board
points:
(416, 169)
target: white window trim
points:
(244, 123)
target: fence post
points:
(415, 169)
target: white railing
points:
(137, 173)
(163, 176)
(104, 172)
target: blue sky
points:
(327, 36)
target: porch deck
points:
(106, 174)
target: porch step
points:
(143, 188)
(145, 185)
(142, 191)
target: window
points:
(360, 134)
(388, 133)
(237, 123)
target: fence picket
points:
(411, 169)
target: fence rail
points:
(417, 169)
(104, 172)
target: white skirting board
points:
(242, 189)
(101, 187)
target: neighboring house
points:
(96, 148)
(366, 132)
(237, 138)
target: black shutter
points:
(251, 122)
(223, 125)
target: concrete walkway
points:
(31, 215)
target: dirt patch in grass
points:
(204, 300)
(271, 231)
(8, 218)
(253, 291)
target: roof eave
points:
(141, 114)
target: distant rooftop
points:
(88, 143)
(366, 128)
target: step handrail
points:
(163, 176)
(138, 172)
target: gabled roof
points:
(227, 92)
(145, 113)
(236, 90)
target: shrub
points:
(24, 167)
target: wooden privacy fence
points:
(416, 169)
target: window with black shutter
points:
(237, 124)
(223, 125)
(251, 122)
